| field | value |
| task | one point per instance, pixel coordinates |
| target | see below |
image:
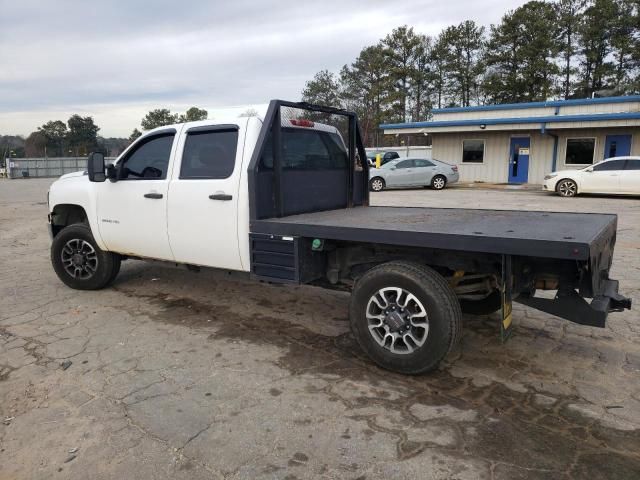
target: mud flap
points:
(506, 310)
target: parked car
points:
(616, 175)
(413, 172)
(385, 157)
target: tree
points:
(462, 47)
(520, 54)
(249, 112)
(158, 118)
(134, 135)
(367, 89)
(323, 89)
(595, 28)
(55, 131)
(569, 17)
(35, 144)
(438, 58)
(625, 41)
(193, 114)
(400, 48)
(82, 136)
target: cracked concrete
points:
(183, 375)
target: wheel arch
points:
(65, 214)
(573, 179)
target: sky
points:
(116, 60)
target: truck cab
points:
(179, 192)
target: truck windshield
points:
(304, 149)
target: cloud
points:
(116, 60)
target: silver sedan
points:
(413, 172)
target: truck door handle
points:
(221, 196)
(153, 195)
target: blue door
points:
(617, 146)
(519, 160)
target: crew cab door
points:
(132, 211)
(203, 197)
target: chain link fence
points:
(45, 167)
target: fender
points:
(76, 189)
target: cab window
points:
(405, 164)
(149, 160)
(423, 163)
(308, 150)
(608, 166)
(209, 154)
(632, 165)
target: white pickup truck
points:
(286, 199)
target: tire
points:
(486, 306)
(376, 184)
(431, 293)
(567, 188)
(74, 249)
(438, 182)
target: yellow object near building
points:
(378, 159)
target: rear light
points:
(302, 123)
(454, 168)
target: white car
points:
(616, 175)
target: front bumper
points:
(550, 185)
(50, 226)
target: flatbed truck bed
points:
(559, 235)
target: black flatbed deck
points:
(560, 235)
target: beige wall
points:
(448, 148)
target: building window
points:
(473, 151)
(580, 151)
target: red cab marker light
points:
(302, 123)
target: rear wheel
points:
(438, 182)
(377, 184)
(405, 316)
(567, 188)
(79, 262)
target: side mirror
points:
(95, 167)
(590, 169)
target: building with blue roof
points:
(522, 142)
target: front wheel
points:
(439, 182)
(79, 262)
(405, 316)
(376, 184)
(567, 188)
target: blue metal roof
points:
(552, 103)
(506, 121)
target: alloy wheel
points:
(397, 320)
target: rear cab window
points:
(307, 149)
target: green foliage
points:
(158, 118)
(193, 114)
(55, 132)
(322, 90)
(82, 137)
(521, 54)
(541, 50)
(134, 135)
